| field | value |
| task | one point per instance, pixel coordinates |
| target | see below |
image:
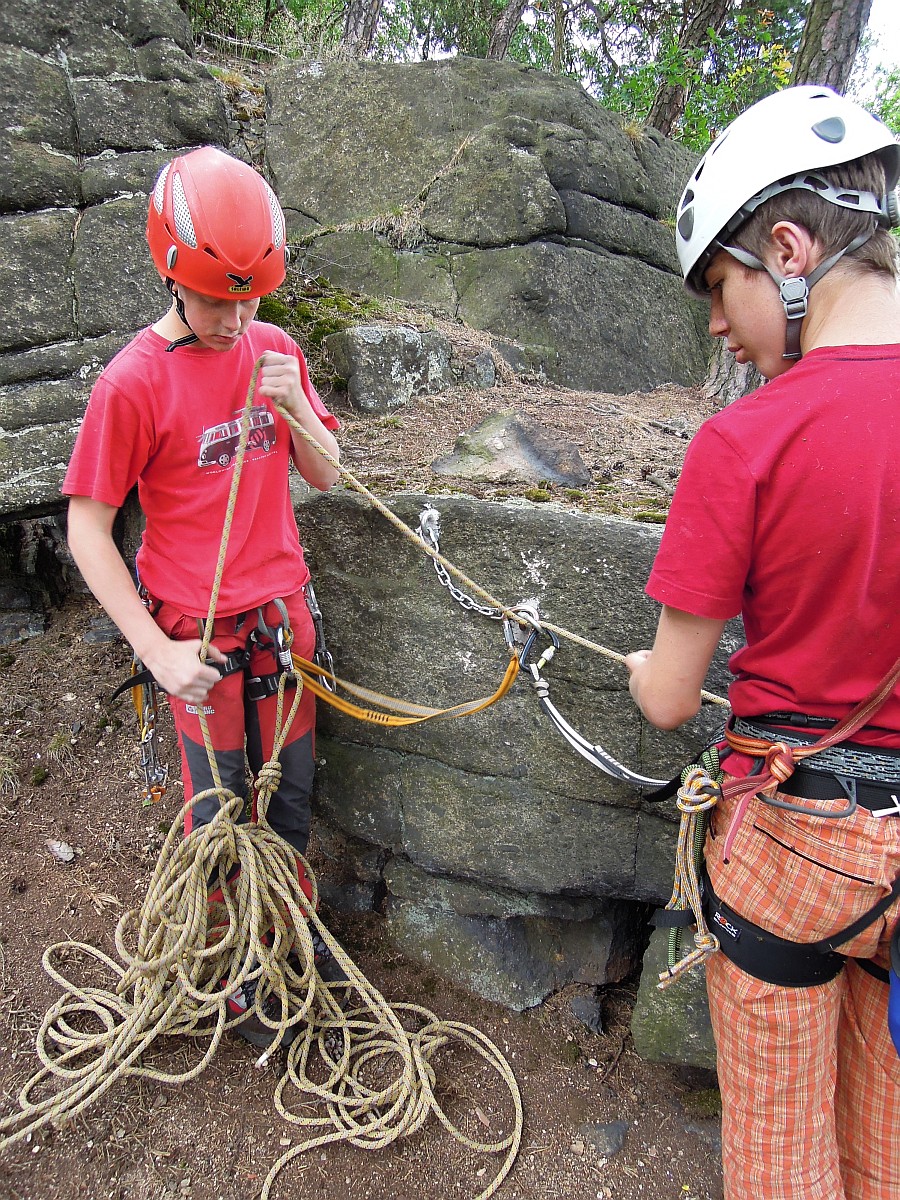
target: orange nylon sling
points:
(779, 759)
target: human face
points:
(218, 324)
(745, 310)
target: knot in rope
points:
(269, 777)
(698, 791)
(779, 761)
(706, 942)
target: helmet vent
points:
(277, 218)
(686, 224)
(184, 225)
(832, 129)
(160, 190)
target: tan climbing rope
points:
(184, 957)
(697, 795)
(508, 611)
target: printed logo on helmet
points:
(240, 283)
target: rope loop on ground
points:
(182, 957)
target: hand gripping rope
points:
(177, 948)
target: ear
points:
(792, 250)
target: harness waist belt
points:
(848, 758)
(810, 784)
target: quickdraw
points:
(522, 626)
(145, 697)
(592, 752)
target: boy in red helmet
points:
(788, 513)
(165, 415)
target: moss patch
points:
(312, 309)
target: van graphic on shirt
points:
(219, 443)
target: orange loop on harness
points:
(780, 762)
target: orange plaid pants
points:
(809, 1077)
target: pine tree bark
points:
(829, 43)
(502, 33)
(359, 26)
(728, 379)
(700, 16)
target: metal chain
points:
(429, 531)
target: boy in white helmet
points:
(788, 513)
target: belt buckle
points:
(893, 810)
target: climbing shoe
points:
(330, 970)
(251, 1028)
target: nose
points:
(233, 317)
(718, 326)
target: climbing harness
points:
(779, 754)
(180, 945)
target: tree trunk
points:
(506, 26)
(359, 26)
(700, 16)
(728, 379)
(830, 40)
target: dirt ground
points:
(69, 773)
(77, 765)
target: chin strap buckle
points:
(794, 295)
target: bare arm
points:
(175, 665)
(666, 681)
(279, 379)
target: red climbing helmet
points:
(216, 226)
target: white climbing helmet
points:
(776, 146)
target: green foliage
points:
(311, 309)
(639, 51)
(622, 51)
(886, 104)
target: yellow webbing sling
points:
(412, 714)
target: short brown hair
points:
(834, 227)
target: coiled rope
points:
(190, 956)
(699, 793)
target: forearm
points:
(175, 664)
(315, 469)
(666, 681)
(105, 573)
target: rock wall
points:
(94, 98)
(488, 191)
(495, 193)
(502, 858)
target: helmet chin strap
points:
(189, 338)
(794, 290)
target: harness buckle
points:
(260, 687)
(893, 810)
(237, 660)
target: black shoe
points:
(330, 970)
(251, 1028)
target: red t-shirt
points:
(171, 423)
(788, 512)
